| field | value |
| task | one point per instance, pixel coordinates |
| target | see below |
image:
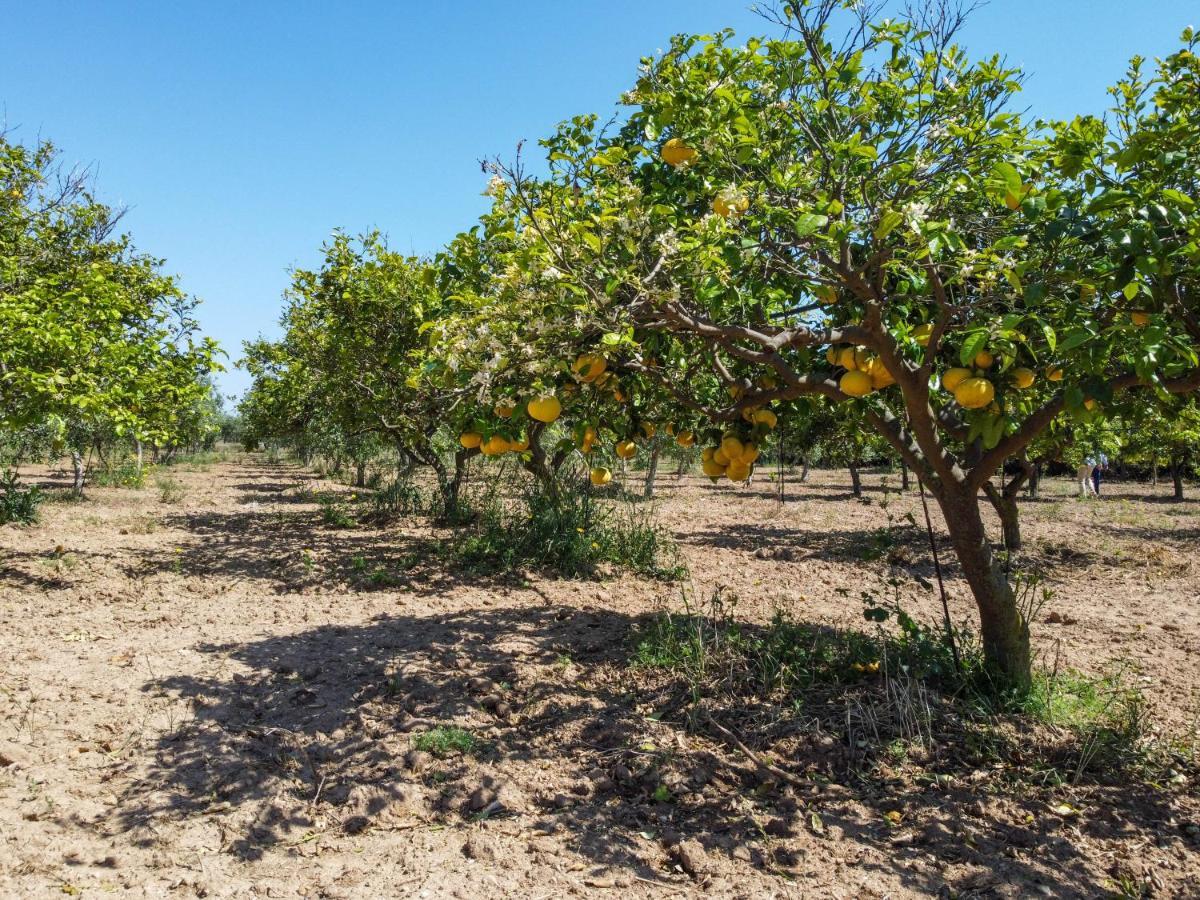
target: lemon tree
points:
(95, 340)
(864, 215)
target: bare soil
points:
(219, 696)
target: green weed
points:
(18, 504)
(444, 740)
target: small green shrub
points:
(170, 489)
(400, 498)
(121, 475)
(1107, 716)
(18, 504)
(444, 740)
(566, 532)
(334, 513)
(785, 658)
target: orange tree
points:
(94, 339)
(531, 366)
(774, 207)
(355, 358)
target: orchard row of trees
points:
(99, 349)
(850, 212)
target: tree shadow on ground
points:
(316, 730)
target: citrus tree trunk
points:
(903, 475)
(1177, 476)
(1003, 629)
(651, 471)
(1010, 522)
(77, 466)
(855, 480)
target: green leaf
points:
(1178, 197)
(887, 224)
(1051, 337)
(1077, 337)
(971, 346)
(807, 223)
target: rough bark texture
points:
(77, 465)
(1010, 523)
(651, 471)
(903, 476)
(1177, 477)
(855, 480)
(1003, 630)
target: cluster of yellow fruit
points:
(972, 390)
(591, 368)
(544, 408)
(728, 203)
(732, 458)
(864, 373)
(496, 445)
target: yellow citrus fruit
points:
(720, 457)
(1054, 373)
(974, 393)
(1140, 318)
(831, 355)
(601, 475)
(505, 409)
(649, 429)
(731, 447)
(494, 446)
(767, 383)
(856, 384)
(983, 359)
(766, 417)
(722, 207)
(1089, 404)
(588, 367)
(676, 153)
(749, 453)
(952, 378)
(846, 359)
(685, 439)
(922, 333)
(712, 468)
(626, 449)
(1023, 378)
(879, 374)
(737, 470)
(470, 439)
(707, 453)
(544, 409)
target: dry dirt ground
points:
(217, 695)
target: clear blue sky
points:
(241, 134)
